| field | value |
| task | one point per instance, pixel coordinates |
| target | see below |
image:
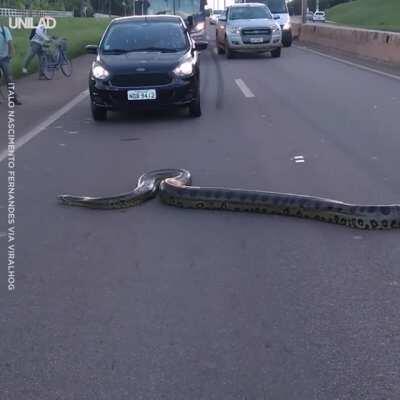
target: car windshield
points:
(184, 8)
(277, 6)
(145, 36)
(249, 13)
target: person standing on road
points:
(36, 48)
(7, 51)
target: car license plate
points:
(149, 94)
(256, 40)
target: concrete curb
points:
(369, 44)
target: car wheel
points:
(228, 51)
(287, 39)
(99, 113)
(220, 50)
(195, 107)
(276, 53)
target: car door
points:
(221, 25)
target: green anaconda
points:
(173, 186)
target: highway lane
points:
(162, 303)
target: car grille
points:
(138, 80)
(256, 31)
(249, 33)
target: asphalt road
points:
(157, 302)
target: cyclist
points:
(36, 47)
(7, 51)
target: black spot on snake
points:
(385, 210)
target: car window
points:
(276, 6)
(136, 36)
(164, 7)
(249, 13)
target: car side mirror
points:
(222, 18)
(276, 16)
(91, 49)
(200, 45)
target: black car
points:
(145, 62)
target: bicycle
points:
(54, 57)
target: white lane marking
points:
(298, 159)
(244, 88)
(46, 123)
(352, 64)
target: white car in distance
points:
(214, 16)
(319, 16)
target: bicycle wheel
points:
(2, 85)
(47, 68)
(65, 65)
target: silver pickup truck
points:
(248, 27)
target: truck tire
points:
(276, 53)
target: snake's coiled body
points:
(174, 188)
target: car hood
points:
(252, 23)
(141, 62)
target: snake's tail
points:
(80, 201)
(126, 200)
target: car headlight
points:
(287, 26)
(234, 30)
(184, 69)
(99, 72)
(276, 29)
(199, 27)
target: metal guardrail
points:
(13, 12)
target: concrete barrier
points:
(370, 44)
(99, 15)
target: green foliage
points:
(78, 31)
(295, 5)
(373, 14)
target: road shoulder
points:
(42, 98)
(351, 58)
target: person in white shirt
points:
(7, 51)
(36, 48)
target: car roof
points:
(148, 18)
(247, 5)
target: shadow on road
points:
(150, 116)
